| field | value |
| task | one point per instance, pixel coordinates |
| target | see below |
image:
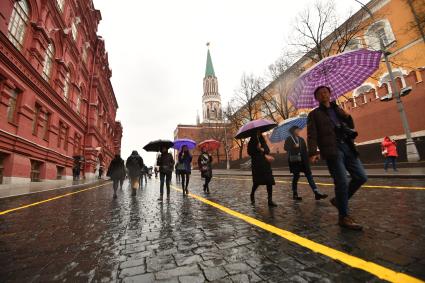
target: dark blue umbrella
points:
(281, 132)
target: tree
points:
(318, 32)
(235, 121)
(245, 97)
(274, 99)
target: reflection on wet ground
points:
(89, 236)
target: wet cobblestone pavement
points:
(89, 237)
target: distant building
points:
(212, 125)
(57, 104)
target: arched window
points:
(353, 44)
(381, 29)
(66, 86)
(60, 4)
(362, 89)
(397, 73)
(48, 61)
(18, 23)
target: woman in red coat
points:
(389, 150)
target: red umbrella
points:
(209, 144)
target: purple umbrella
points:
(252, 127)
(179, 143)
(341, 73)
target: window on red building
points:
(78, 103)
(77, 144)
(18, 23)
(11, 108)
(46, 125)
(36, 119)
(66, 86)
(74, 30)
(60, 4)
(48, 62)
(63, 136)
(35, 171)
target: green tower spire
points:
(209, 70)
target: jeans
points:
(296, 177)
(164, 177)
(346, 160)
(389, 159)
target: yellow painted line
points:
(355, 262)
(331, 184)
(50, 199)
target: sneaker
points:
(159, 199)
(319, 196)
(349, 223)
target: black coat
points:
(165, 162)
(321, 131)
(116, 169)
(261, 169)
(134, 165)
(291, 149)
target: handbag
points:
(180, 167)
(293, 158)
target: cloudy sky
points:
(157, 53)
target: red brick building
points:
(57, 103)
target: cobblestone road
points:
(89, 237)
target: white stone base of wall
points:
(16, 180)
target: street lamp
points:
(411, 150)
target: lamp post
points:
(411, 150)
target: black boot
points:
(252, 198)
(270, 197)
(319, 196)
(296, 197)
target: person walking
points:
(261, 168)
(389, 150)
(185, 158)
(331, 130)
(134, 165)
(165, 163)
(298, 161)
(177, 171)
(116, 171)
(205, 166)
(100, 172)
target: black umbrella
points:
(156, 146)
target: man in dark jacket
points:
(165, 162)
(134, 165)
(331, 129)
(116, 172)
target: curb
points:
(76, 186)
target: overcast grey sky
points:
(157, 53)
